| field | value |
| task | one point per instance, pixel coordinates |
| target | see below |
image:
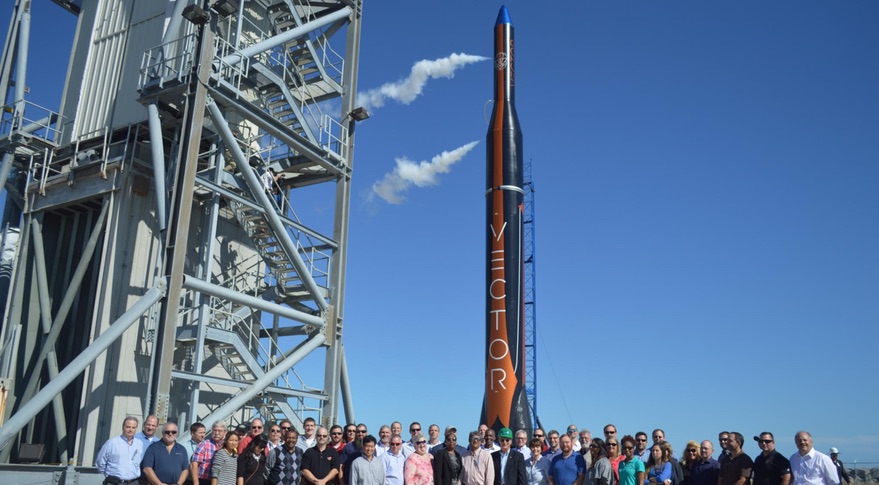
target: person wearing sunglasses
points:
(447, 461)
(275, 439)
(770, 466)
(255, 429)
(614, 456)
(631, 470)
(599, 471)
(337, 438)
(418, 469)
(540, 434)
(691, 456)
(350, 433)
(574, 434)
(394, 461)
(409, 446)
(252, 468)
(478, 468)
(642, 452)
(166, 461)
(509, 465)
(320, 463)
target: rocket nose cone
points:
(503, 16)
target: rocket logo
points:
(500, 61)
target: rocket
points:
(505, 404)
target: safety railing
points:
(170, 62)
(334, 136)
(32, 119)
(263, 346)
(232, 73)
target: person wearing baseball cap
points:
(770, 466)
(509, 464)
(450, 430)
(844, 477)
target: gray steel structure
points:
(157, 268)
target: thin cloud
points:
(406, 90)
(420, 174)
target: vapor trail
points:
(421, 174)
(406, 90)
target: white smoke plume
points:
(421, 174)
(406, 90)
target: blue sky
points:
(706, 202)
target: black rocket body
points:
(506, 404)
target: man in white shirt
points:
(489, 442)
(394, 461)
(307, 439)
(119, 458)
(433, 438)
(809, 466)
(573, 433)
(477, 467)
(383, 444)
(521, 444)
(409, 446)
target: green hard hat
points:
(505, 433)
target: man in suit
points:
(509, 464)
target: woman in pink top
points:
(418, 469)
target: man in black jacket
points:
(509, 464)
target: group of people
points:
(276, 454)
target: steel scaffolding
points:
(163, 262)
(530, 296)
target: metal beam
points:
(285, 37)
(225, 293)
(219, 381)
(277, 129)
(172, 31)
(46, 322)
(177, 241)
(219, 189)
(240, 399)
(157, 150)
(20, 419)
(204, 311)
(330, 412)
(69, 297)
(347, 402)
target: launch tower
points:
(164, 255)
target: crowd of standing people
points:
(277, 454)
